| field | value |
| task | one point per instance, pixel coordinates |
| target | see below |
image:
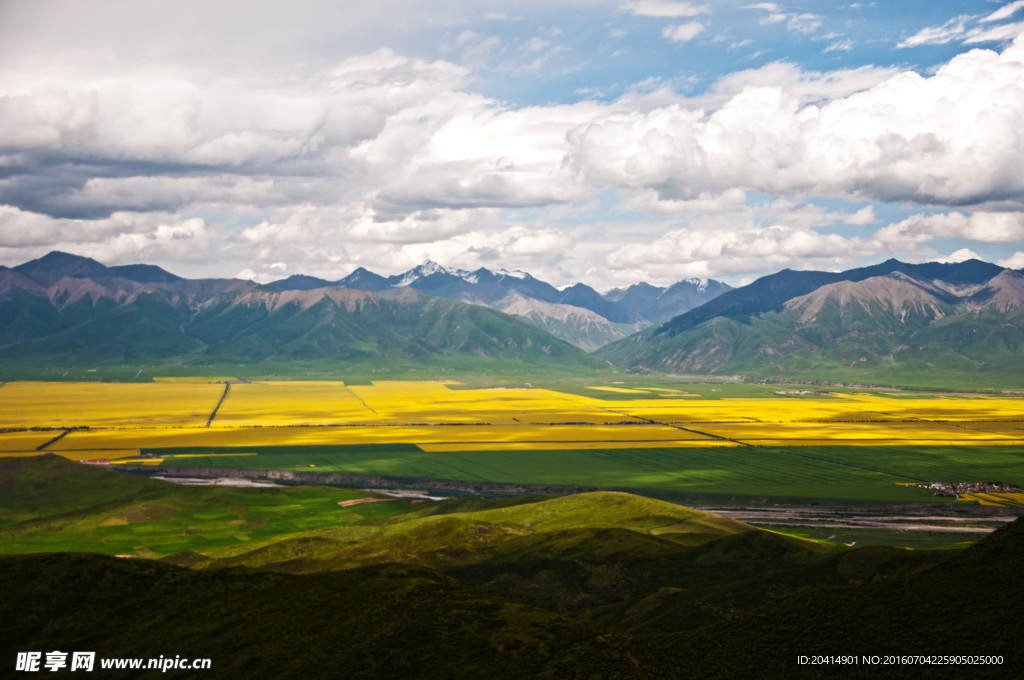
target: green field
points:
(50, 509)
(851, 472)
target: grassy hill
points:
(613, 560)
(384, 621)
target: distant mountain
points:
(588, 330)
(892, 321)
(612, 315)
(73, 309)
(56, 265)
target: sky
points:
(607, 142)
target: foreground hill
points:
(73, 310)
(573, 589)
(900, 322)
(617, 561)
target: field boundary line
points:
(42, 447)
(740, 442)
(227, 386)
(367, 406)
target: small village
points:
(961, 488)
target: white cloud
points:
(865, 215)
(383, 160)
(844, 45)
(801, 22)
(994, 34)
(808, 86)
(937, 35)
(663, 8)
(683, 32)
(961, 255)
(687, 252)
(766, 6)
(1005, 12)
(979, 226)
(119, 238)
(1015, 261)
(949, 139)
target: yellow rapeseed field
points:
(480, 436)
(996, 499)
(24, 441)
(108, 454)
(444, 416)
(55, 404)
(292, 402)
(435, 402)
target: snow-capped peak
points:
(516, 273)
(429, 268)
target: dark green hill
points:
(374, 622)
(460, 605)
(966, 606)
(386, 621)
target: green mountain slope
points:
(113, 320)
(890, 329)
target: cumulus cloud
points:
(979, 226)
(949, 139)
(116, 239)
(688, 252)
(961, 255)
(1015, 261)
(810, 87)
(382, 158)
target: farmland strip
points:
(227, 386)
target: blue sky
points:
(602, 141)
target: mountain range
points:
(930, 324)
(888, 321)
(577, 314)
(68, 308)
